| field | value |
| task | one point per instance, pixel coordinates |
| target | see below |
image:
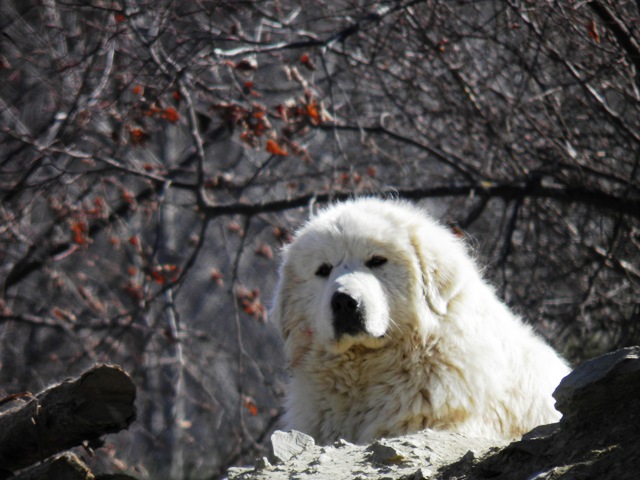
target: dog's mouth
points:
(358, 343)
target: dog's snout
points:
(343, 303)
(347, 316)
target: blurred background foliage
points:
(155, 156)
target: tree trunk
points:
(101, 401)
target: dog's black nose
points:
(347, 316)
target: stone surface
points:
(410, 457)
(286, 446)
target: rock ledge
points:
(598, 437)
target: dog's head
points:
(365, 272)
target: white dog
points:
(389, 329)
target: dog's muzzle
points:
(348, 318)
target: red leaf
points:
(133, 290)
(247, 138)
(250, 303)
(158, 276)
(171, 114)
(152, 111)
(162, 273)
(283, 234)
(306, 61)
(312, 111)
(281, 112)
(235, 228)
(265, 251)
(137, 136)
(79, 230)
(251, 406)
(128, 197)
(275, 149)
(217, 277)
(592, 29)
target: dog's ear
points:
(443, 262)
(285, 316)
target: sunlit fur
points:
(439, 349)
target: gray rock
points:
(600, 386)
(287, 445)
(384, 454)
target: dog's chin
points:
(359, 342)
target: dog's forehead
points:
(362, 217)
(359, 231)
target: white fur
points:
(439, 349)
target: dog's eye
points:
(376, 261)
(324, 270)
